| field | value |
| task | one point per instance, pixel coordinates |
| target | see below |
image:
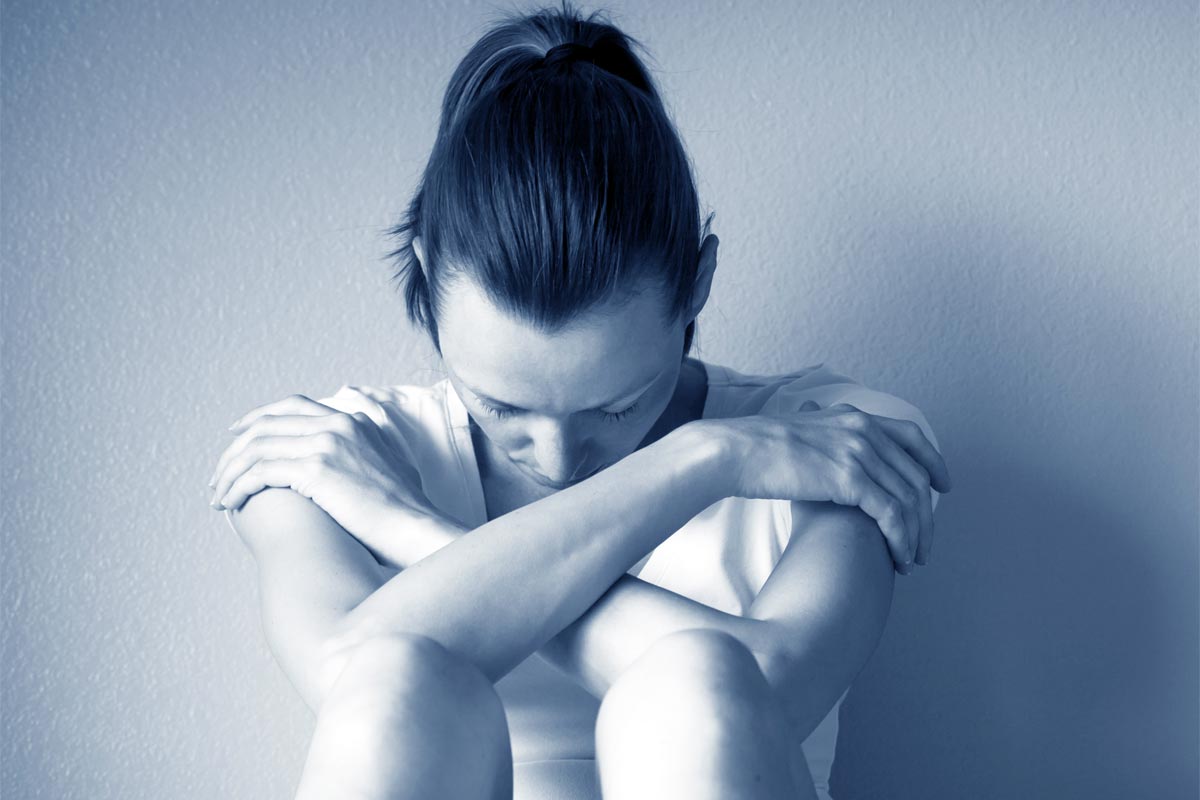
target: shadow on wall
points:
(1022, 663)
(1046, 651)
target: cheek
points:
(499, 432)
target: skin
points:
(575, 400)
(668, 669)
(550, 410)
(554, 430)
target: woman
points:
(584, 562)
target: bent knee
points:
(694, 677)
(396, 672)
(401, 700)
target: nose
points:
(560, 457)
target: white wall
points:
(987, 208)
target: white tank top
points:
(721, 557)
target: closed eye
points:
(614, 416)
(617, 416)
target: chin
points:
(549, 484)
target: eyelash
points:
(506, 412)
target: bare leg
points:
(694, 718)
(408, 719)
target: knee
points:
(391, 680)
(401, 703)
(696, 681)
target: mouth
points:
(544, 481)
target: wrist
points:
(402, 535)
(706, 456)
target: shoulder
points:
(381, 403)
(779, 394)
(406, 413)
(827, 387)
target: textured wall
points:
(989, 209)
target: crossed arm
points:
(812, 627)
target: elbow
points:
(778, 655)
(803, 687)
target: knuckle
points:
(854, 420)
(326, 441)
(856, 446)
(844, 481)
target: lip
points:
(544, 481)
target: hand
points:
(884, 466)
(339, 461)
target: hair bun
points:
(568, 52)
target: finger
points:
(918, 481)
(884, 475)
(283, 473)
(291, 425)
(263, 448)
(909, 435)
(292, 404)
(881, 506)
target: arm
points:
(311, 573)
(831, 591)
(545, 564)
(322, 591)
(615, 630)
(538, 568)
(812, 627)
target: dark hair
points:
(557, 184)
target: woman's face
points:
(561, 406)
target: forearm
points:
(500, 592)
(631, 616)
(406, 537)
(594, 649)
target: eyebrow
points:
(501, 403)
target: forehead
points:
(598, 357)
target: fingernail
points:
(216, 505)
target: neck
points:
(687, 404)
